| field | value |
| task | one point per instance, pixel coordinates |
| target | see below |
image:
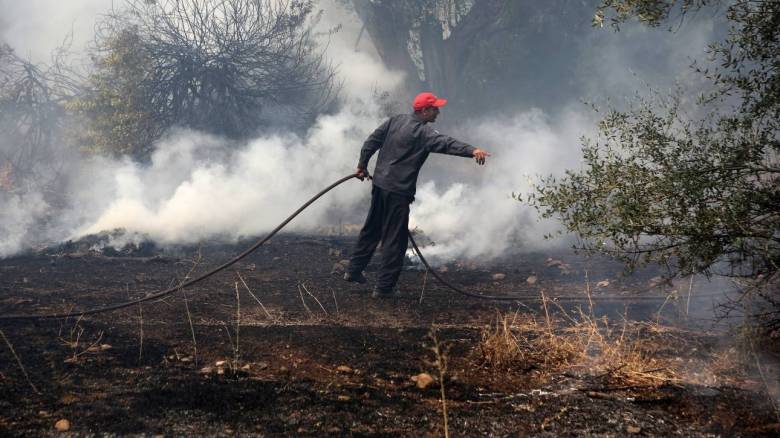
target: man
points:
(404, 142)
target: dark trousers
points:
(388, 222)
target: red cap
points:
(425, 100)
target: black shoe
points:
(355, 278)
(383, 293)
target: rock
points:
(206, 370)
(62, 425)
(344, 398)
(104, 347)
(186, 359)
(344, 369)
(633, 429)
(220, 363)
(565, 268)
(531, 279)
(499, 276)
(423, 380)
(602, 283)
(340, 266)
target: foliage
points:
(222, 66)
(31, 120)
(699, 193)
(115, 106)
(651, 12)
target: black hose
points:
(450, 285)
(186, 283)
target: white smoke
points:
(185, 195)
(480, 217)
(19, 213)
(194, 189)
(199, 186)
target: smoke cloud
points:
(200, 187)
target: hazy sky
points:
(36, 27)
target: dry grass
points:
(623, 354)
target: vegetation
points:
(695, 189)
(31, 121)
(227, 67)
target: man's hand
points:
(362, 174)
(480, 155)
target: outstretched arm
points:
(444, 144)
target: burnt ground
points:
(336, 365)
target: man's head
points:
(426, 106)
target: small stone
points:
(220, 363)
(186, 359)
(531, 279)
(344, 398)
(344, 369)
(423, 380)
(602, 283)
(62, 425)
(206, 370)
(633, 429)
(104, 347)
(499, 276)
(340, 266)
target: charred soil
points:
(300, 352)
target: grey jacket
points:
(405, 142)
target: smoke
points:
(36, 27)
(479, 217)
(198, 186)
(470, 212)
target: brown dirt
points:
(342, 366)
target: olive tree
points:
(700, 194)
